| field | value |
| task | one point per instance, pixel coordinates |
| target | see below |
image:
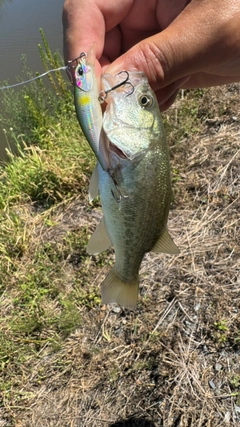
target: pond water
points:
(20, 21)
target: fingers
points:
(78, 31)
(93, 21)
(165, 105)
(167, 95)
(202, 39)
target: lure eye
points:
(145, 100)
(79, 71)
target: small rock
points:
(218, 367)
(188, 323)
(197, 306)
(227, 417)
(212, 385)
(118, 332)
(116, 309)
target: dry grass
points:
(174, 362)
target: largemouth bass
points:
(135, 222)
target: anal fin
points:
(165, 244)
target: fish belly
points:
(134, 224)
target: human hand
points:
(177, 44)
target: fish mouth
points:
(116, 150)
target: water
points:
(20, 21)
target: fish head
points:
(132, 119)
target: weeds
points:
(51, 165)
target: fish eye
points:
(145, 100)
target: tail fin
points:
(114, 289)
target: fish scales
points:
(135, 226)
(135, 221)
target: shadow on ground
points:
(133, 422)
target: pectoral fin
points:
(99, 240)
(165, 244)
(94, 185)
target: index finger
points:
(83, 24)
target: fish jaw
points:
(88, 108)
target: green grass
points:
(50, 168)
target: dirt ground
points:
(175, 361)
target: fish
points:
(88, 108)
(135, 221)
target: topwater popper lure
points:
(88, 108)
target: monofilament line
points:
(34, 78)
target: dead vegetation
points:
(175, 361)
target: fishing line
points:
(35, 78)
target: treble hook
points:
(104, 93)
(69, 66)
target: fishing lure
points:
(88, 108)
(89, 112)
